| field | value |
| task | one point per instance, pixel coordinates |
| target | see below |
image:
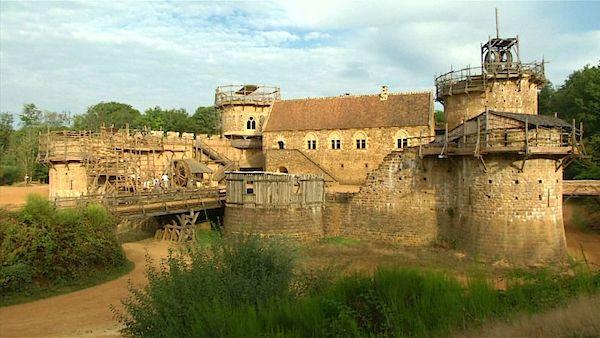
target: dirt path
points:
(12, 197)
(81, 313)
(578, 239)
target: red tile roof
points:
(351, 112)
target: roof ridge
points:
(357, 95)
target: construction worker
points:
(165, 181)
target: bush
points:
(245, 288)
(202, 288)
(9, 174)
(47, 246)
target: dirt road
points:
(12, 197)
(577, 239)
(81, 313)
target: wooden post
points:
(573, 137)
(526, 136)
(487, 121)
(478, 136)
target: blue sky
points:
(66, 56)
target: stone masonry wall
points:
(507, 214)
(303, 224)
(347, 165)
(234, 118)
(502, 95)
(499, 214)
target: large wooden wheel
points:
(181, 174)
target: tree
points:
(6, 129)
(109, 114)
(169, 120)
(578, 99)
(544, 99)
(206, 120)
(31, 115)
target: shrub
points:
(47, 246)
(9, 174)
(203, 288)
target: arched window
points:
(280, 142)
(251, 123)
(311, 141)
(335, 140)
(401, 139)
(360, 140)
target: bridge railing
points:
(145, 202)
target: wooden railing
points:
(241, 94)
(149, 203)
(472, 79)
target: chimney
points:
(384, 93)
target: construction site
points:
(392, 175)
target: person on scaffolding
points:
(165, 181)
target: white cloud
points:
(67, 56)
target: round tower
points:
(501, 83)
(244, 109)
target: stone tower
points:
(501, 83)
(244, 109)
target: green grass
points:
(342, 241)
(37, 292)
(252, 288)
(206, 237)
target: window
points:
(281, 144)
(311, 141)
(401, 139)
(361, 140)
(402, 143)
(251, 124)
(335, 140)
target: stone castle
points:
(488, 180)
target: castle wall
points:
(234, 119)
(507, 214)
(501, 95)
(301, 224)
(493, 215)
(347, 165)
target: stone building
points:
(342, 138)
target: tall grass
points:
(245, 288)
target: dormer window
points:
(251, 124)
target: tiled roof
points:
(351, 112)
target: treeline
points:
(578, 98)
(19, 145)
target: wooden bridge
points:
(581, 188)
(154, 203)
